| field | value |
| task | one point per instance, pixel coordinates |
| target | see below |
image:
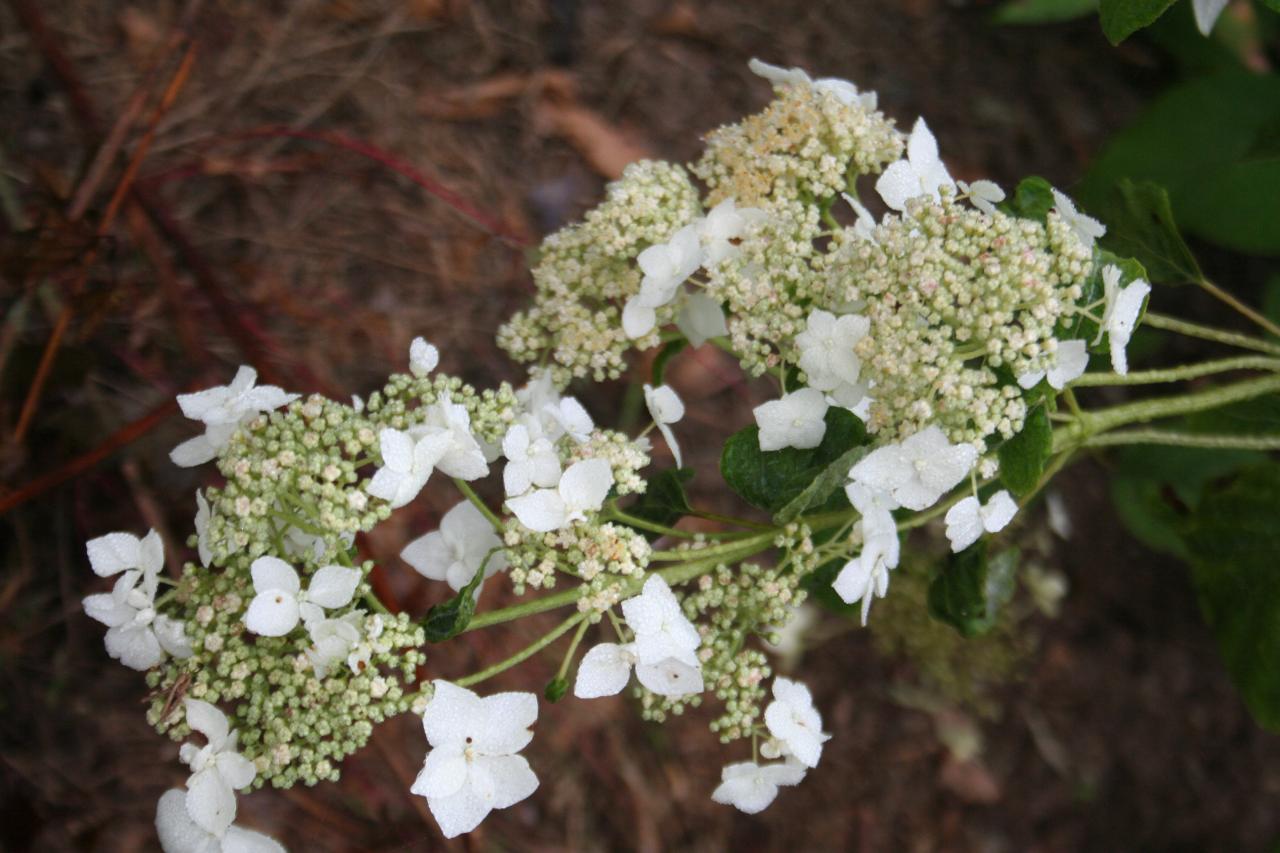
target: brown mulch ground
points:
(1125, 733)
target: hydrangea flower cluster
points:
(937, 325)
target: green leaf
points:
(1123, 18)
(664, 500)
(1031, 199)
(1023, 457)
(828, 482)
(772, 479)
(1273, 5)
(669, 350)
(1042, 11)
(1209, 142)
(970, 590)
(448, 619)
(1234, 542)
(818, 584)
(1140, 225)
(556, 688)
(1147, 511)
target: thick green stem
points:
(524, 654)
(1093, 423)
(1185, 439)
(684, 555)
(1208, 333)
(1178, 374)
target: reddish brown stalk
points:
(399, 166)
(121, 192)
(118, 439)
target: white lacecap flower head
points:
(531, 461)
(795, 420)
(827, 352)
(969, 519)
(666, 408)
(919, 470)
(793, 720)
(137, 635)
(281, 602)
(423, 357)
(582, 489)
(463, 456)
(570, 418)
(751, 787)
(123, 552)
(408, 461)
(661, 629)
(922, 173)
(455, 552)
(606, 668)
(472, 767)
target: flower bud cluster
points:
(606, 557)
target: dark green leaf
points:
(1042, 11)
(1031, 199)
(1235, 543)
(828, 482)
(818, 584)
(1149, 512)
(772, 479)
(664, 500)
(1022, 458)
(556, 688)
(1123, 18)
(669, 350)
(970, 590)
(448, 619)
(1140, 225)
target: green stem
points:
(573, 647)
(1185, 439)
(686, 554)
(1209, 333)
(1092, 423)
(615, 514)
(524, 654)
(1239, 307)
(1180, 373)
(373, 601)
(470, 494)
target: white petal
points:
(113, 553)
(241, 840)
(396, 448)
(236, 770)
(670, 438)
(503, 725)
(1070, 362)
(515, 444)
(637, 320)
(459, 813)
(585, 484)
(541, 510)
(211, 803)
(193, 452)
(964, 524)
(517, 478)
(444, 771)
(745, 788)
(429, 555)
(105, 608)
(272, 613)
(1207, 12)
(206, 719)
(177, 831)
(852, 582)
(274, 573)
(333, 586)
(513, 779)
(663, 403)
(423, 357)
(575, 419)
(701, 318)
(386, 484)
(451, 715)
(603, 671)
(999, 511)
(898, 183)
(135, 646)
(670, 677)
(172, 636)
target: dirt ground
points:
(289, 213)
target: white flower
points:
(222, 410)
(280, 600)
(455, 552)
(845, 92)
(661, 629)
(472, 767)
(606, 669)
(463, 457)
(876, 508)
(530, 461)
(217, 769)
(582, 489)
(332, 640)
(423, 357)
(795, 420)
(203, 547)
(1086, 227)
(984, 195)
(968, 519)
(1207, 12)
(136, 635)
(826, 351)
(700, 319)
(665, 408)
(665, 267)
(722, 227)
(794, 721)
(751, 787)
(921, 174)
(866, 577)
(1069, 363)
(918, 471)
(407, 463)
(1120, 316)
(180, 834)
(364, 650)
(569, 418)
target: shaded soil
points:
(1124, 733)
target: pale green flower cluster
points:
(605, 557)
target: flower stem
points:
(573, 647)
(1093, 423)
(524, 654)
(1209, 333)
(470, 494)
(1180, 373)
(1239, 307)
(1170, 438)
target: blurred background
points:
(305, 186)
